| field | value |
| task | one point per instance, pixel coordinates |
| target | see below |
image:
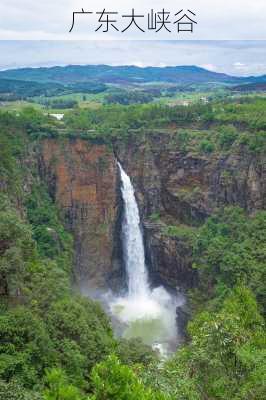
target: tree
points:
(17, 249)
(230, 248)
(220, 345)
(58, 387)
(25, 347)
(14, 391)
(225, 358)
(134, 351)
(112, 380)
(227, 135)
(82, 335)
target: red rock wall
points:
(83, 180)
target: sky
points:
(51, 19)
(230, 36)
(240, 58)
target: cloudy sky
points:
(51, 19)
(232, 57)
(230, 36)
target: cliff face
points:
(83, 180)
(178, 187)
(185, 188)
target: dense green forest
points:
(11, 89)
(56, 344)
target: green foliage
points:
(81, 333)
(183, 139)
(25, 346)
(112, 380)
(231, 248)
(206, 146)
(52, 239)
(226, 136)
(128, 97)
(174, 377)
(181, 231)
(117, 121)
(12, 144)
(45, 283)
(37, 124)
(219, 339)
(58, 387)
(254, 142)
(246, 111)
(225, 358)
(155, 217)
(87, 87)
(17, 249)
(61, 104)
(13, 89)
(54, 327)
(15, 391)
(134, 351)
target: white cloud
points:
(210, 67)
(238, 64)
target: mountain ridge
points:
(125, 74)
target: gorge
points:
(138, 220)
(172, 187)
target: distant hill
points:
(21, 89)
(179, 75)
(250, 87)
(16, 89)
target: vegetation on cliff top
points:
(204, 128)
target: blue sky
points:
(233, 57)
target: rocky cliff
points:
(173, 187)
(83, 180)
(183, 188)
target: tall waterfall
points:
(133, 247)
(143, 312)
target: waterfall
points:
(133, 247)
(143, 312)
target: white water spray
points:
(145, 313)
(134, 256)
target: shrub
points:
(206, 146)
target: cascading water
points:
(134, 256)
(145, 313)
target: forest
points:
(56, 344)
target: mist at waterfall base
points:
(149, 314)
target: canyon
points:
(172, 187)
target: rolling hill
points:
(123, 74)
